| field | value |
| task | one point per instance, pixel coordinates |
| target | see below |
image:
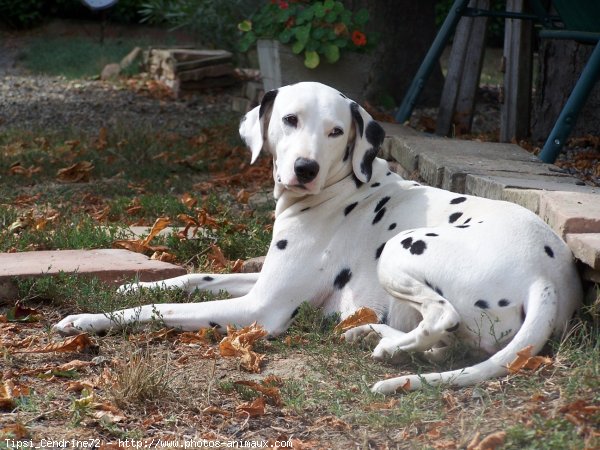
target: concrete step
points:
(110, 265)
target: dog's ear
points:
(368, 140)
(253, 126)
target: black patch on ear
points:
(207, 278)
(482, 304)
(282, 244)
(382, 203)
(357, 182)
(360, 124)
(267, 100)
(348, 209)
(342, 278)
(366, 166)
(379, 250)
(214, 325)
(457, 200)
(549, 251)
(454, 217)
(375, 134)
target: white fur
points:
(430, 279)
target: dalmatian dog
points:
(435, 266)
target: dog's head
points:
(317, 136)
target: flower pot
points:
(279, 67)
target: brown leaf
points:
(240, 343)
(15, 431)
(215, 410)
(164, 257)
(490, 442)
(254, 408)
(188, 200)
(18, 169)
(216, 257)
(332, 422)
(102, 140)
(76, 364)
(107, 413)
(159, 224)
(76, 173)
(78, 343)
(524, 361)
(243, 196)
(271, 393)
(9, 391)
(362, 316)
(391, 404)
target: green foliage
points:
(313, 28)
(214, 22)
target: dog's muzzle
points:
(306, 170)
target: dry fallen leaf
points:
(188, 200)
(490, 442)
(76, 173)
(271, 393)
(362, 316)
(78, 343)
(524, 361)
(164, 257)
(143, 245)
(15, 431)
(254, 408)
(9, 390)
(240, 343)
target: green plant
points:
(21, 13)
(317, 28)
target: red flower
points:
(359, 39)
(283, 5)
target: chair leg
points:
(432, 56)
(568, 116)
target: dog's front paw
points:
(397, 385)
(79, 323)
(362, 332)
(131, 287)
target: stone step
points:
(109, 265)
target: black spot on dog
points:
(388, 174)
(392, 226)
(381, 203)
(457, 200)
(378, 216)
(342, 95)
(427, 283)
(342, 278)
(379, 250)
(467, 221)
(463, 226)
(305, 209)
(282, 244)
(439, 292)
(454, 217)
(295, 313)
(348, 209)
(503, 302)
(549, 251)
(482, 304)
(522, 314)
(416, 248)
(207, 278)
(360, 124)
(453, 329)
(376, 185)
(432, 234)
(416, 185)
(214, 325)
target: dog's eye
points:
(291, 120)
(337, 131)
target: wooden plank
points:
(464, 67)
(515, 111)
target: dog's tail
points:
(540, 319)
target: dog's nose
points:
(306, 169)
